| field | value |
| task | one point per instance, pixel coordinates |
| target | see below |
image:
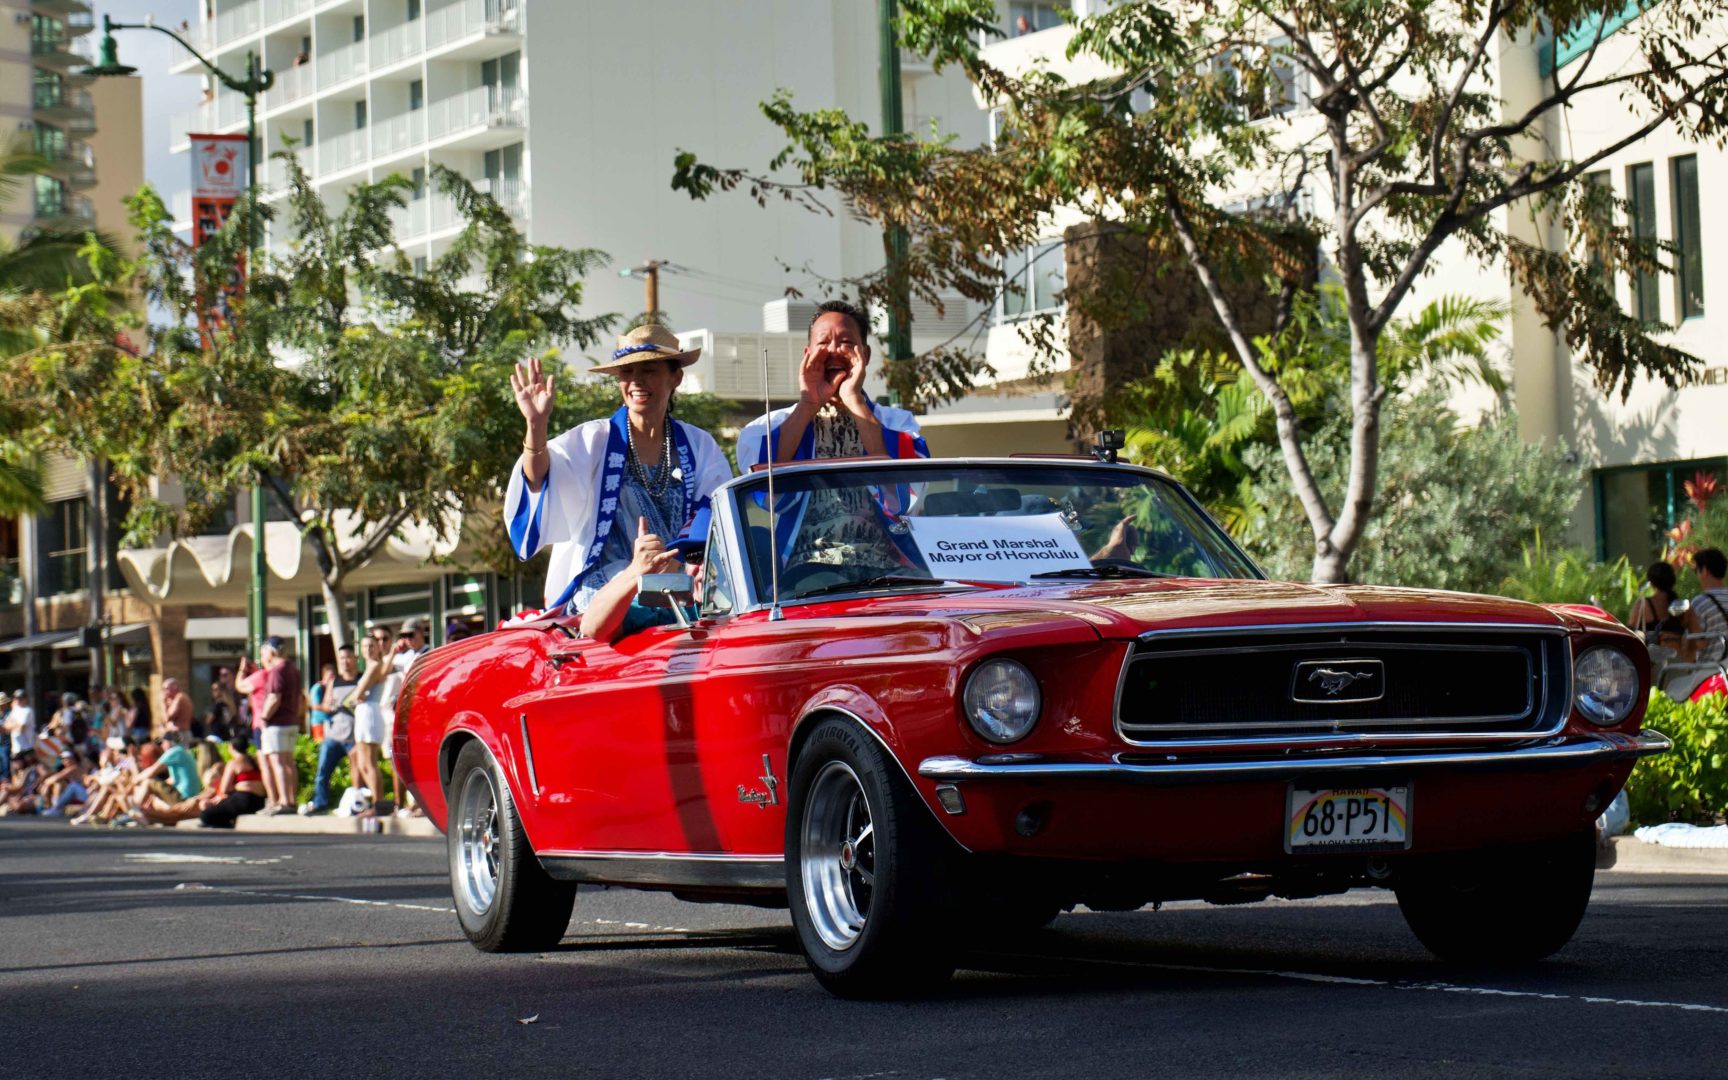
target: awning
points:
(233, 627)
(137, 633)
(48, 639)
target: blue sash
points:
(612, 477)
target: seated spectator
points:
(153, 797)
(110, 785)
(18, 795)
(66, 788)
(210, 768)
(240, 790)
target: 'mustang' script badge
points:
(997, 548)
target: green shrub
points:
(306, 758)
(1547, 575)
(1689, 783)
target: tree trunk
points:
(1333, 551)
(335, 610)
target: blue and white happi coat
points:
(582, 504)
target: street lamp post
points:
(258, 79)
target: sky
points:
(164, 94)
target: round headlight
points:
(1605, 685)
(1001, 700)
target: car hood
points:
(1128, 608)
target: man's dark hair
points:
(1661, 574)
(1713, 560)
(344, 648)
(857, 313)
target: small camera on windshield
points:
(1106, 443)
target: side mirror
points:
(668, 591)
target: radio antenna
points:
(771, 442)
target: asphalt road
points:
(185, 953)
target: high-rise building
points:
(570, 115)
(46, 106)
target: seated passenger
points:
(615, 612)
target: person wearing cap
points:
(281, 715)
(588, 492)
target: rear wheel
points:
(1510, 907)
(864, 867)
(505, 900)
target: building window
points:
(359, 115)
(416, 94)
(50, 197)
(1641, 193)
(307, 131)
(418, 176)
(61, 541)
(1031, 16)
(502, 75)
(1688, 238)
(359, 28)
(419, 266)
(1636, 506)
(1593, 254)
(1036, 277)
(49, 92)
(413, 10)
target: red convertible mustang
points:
(925, 699)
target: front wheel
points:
(505, 900)
(1510, 907)
(863, 869)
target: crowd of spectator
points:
(114, 759)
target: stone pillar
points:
(172, 651)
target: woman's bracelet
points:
(534, 450)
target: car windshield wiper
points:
(1108, 570)
(866, 583)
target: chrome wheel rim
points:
(477, 842)
(837, 856)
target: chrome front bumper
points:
(1557, 753)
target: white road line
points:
(193, 886)
(187, 857)
(1398, 984)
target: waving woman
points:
(587, 491)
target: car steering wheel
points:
(803, 573)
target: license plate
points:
(1354, 819)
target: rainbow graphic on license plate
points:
(1354, 818)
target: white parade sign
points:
(997, 548)
(218, 166)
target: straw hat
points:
(651, 342)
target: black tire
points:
(893, 877)
(1509, 907)
(524, 910)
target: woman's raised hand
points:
(650, 555)
(533, 389)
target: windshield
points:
(896, 527)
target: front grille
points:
(1410, 680)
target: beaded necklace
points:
(654, 481)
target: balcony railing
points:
(276, 11)
(292, 84)
(466, 17)
(397, 43)
(481, 107)
(399, 133)
(342, 152)
(239, 21)
(340, 65)
(58, 97)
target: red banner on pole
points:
(219, 164)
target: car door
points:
(609, 736)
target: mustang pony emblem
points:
(1334, 681)
(764, 799)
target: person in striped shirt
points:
(1709, 611)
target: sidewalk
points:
(1633, 856)
(331, 825)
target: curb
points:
(1633, 856)
(331, 825)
